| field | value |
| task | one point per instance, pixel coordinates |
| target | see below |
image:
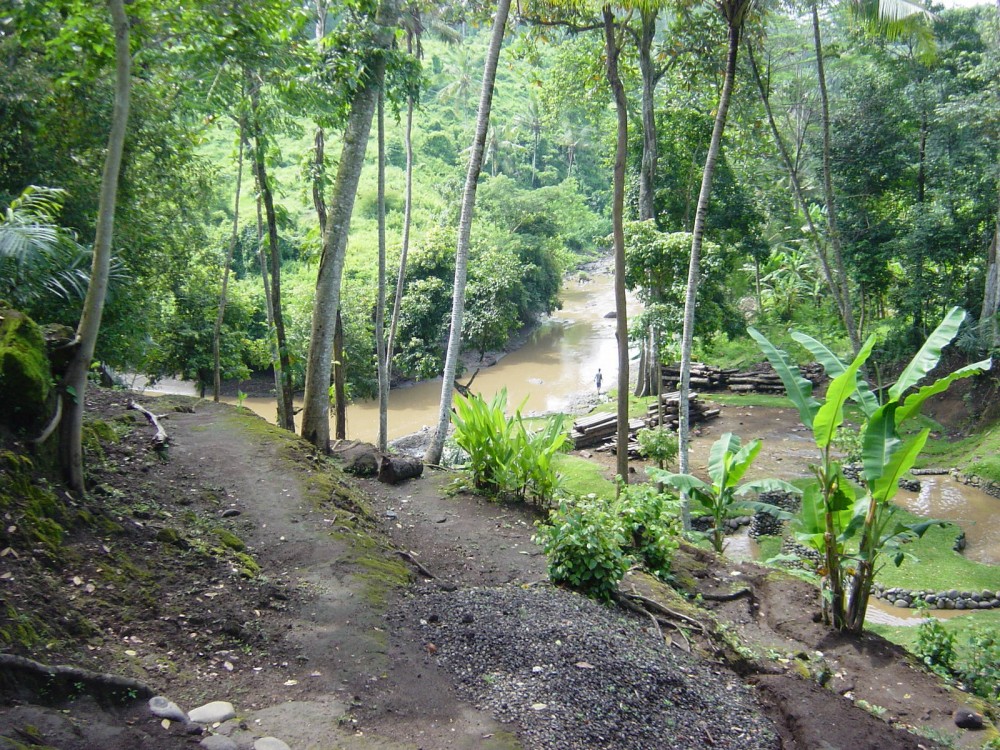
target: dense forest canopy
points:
(234, 99)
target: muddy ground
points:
(293, 614)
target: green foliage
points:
(584, 542)
(832, 514)
(979, 666)
(505, 456)
(35, 518)
(935, 646)
(652, 524)
(659, 444)
(727, 463)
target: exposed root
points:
(411, 558)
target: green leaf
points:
(683, 482)
(834, 367)
(719, 458)
(830, 415)
(767, 485)
(913, 402)
(742, 461)
(888, 484)
(799, 389)
(879, 442)
(929, 355)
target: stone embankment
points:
(951, 599)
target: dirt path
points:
(326, 663)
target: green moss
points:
(25, 376)
(249, 568)
(230, 540)
(381, 577)
(583, 477)
(38, 517)
(21, 630)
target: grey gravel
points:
(571, 673)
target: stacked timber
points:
(698, 411)
(763, 379)
(703, 377)
(599, 429)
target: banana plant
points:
(833, 515)
(728, 461)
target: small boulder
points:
(212, 712)
(966, 718)
(218, 742)
(166, 709)
(270, 743)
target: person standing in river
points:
(598, 379)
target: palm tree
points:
(433, 453)
(735, 12)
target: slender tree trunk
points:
(793, 176)
(383, 365)
(339, 379)
(283, 391)
(701, 212)
(407, 217)
(618, 234)
(75, 380)
(233, 240)
(831, 203)
(272, 345)
(991, 296)
(433, 453)
(316, 413)
(647, 173)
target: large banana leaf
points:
(929, 355)
(887, 484)
(742, 461)
(809, 526)
(766, 485)
(834, 367)
(913, 402)
(799, 389)
(720, 459)
(830, 415)
(879, 442)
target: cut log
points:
(395, 469)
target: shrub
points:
(584, 542)
(979, 670)
(652, 525)
(935, 646)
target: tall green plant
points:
(853, 531)
(727, 463)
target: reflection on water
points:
(975, 511)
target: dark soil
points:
(321, 632)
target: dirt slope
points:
(313, 649)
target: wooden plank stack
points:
(761, 379)
(599, 431)
(697, 410)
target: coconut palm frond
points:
(20, 240)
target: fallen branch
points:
(410, 558)
(160, 439)
(728, 597)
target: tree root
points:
(728, 597)
(410, 558)
(54, 684)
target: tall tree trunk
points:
(991, 296)
(618, 235)
(383, 365)
(233, 240)
(735, 27)
(433, 453)
(75, 381)
(272, 345)
(831, 203)
(647, 173)
(284, 379)
(800, 200)
(316, 412)
(407, 219)
(339, 379)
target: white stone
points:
(270, 743)
(212, 712)
(218, 742)
(166, 709)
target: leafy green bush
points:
(936, 646)
(651, 520)
(584, 542)
(979, 669)
(658, 444)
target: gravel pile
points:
(571, 673)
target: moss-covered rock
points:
(25, 376)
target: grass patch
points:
(637, 406)
(582, 477)
(977, 454)
(750, 399)
(961, 626)
(939, 567)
